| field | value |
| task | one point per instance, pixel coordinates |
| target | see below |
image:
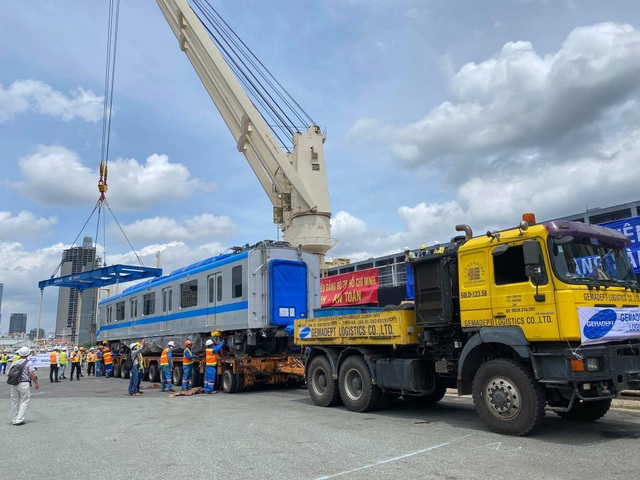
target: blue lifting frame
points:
(101, 277)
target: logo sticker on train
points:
(601, 325)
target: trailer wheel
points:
(116, 370)
(323, 389)
(195, 376)
(358, 393)
(154, 373)
(229, 382)
(587, 411)
(124, 373)
(507, 397)
(176, 376)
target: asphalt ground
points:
(93, 428)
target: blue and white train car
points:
(250, 296)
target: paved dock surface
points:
(94, 428)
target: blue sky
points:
(437, 113)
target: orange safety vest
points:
(185, 360)
(210, 357)
(91, 357)
(164, 358)
(53, 359)
(108, 359)
(75, 357)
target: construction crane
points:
(296, 181)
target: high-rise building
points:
(18, 323)
(78, 330)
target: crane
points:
(296, 181)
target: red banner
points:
(355, 288)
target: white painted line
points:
(382, 462)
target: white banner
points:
(41, 360)
(601, 325)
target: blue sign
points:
(631, 228)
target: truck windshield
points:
(584, 260)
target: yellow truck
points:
(534, 318)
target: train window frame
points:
(133, 307)
(120, 310)
(219, 288)
(210, 288)
(109, 313)
(149, 303)
(236, 281)
(170, 296)
(189, 294)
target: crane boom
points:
(296, 183)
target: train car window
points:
(133, 311)
(164, 301)
(149, 303)
(119, 311)
(109, 313)
(170, 294)
(210, 289)
(236, 281)
(189, 294)
(219, 288)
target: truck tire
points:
(116, 370)
(124, 373)
(176, 377)
(154, 373)
(323, 389)
(195, 377)
(358, 393)
(587, 411)
(229, 382)
(507, 397)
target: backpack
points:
(128, 363)
(15, 374)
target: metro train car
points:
(250, 295)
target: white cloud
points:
(38, 97)
(55, 175)
(201, 227)
(24, 225)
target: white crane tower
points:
(296, 181)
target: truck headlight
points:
(593, 364)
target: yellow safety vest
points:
(63, 358)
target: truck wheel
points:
(323, 389)
(124, 373)
(507, 397)
(154, 373)
(587, 411)
(195, 377)
(177, 375)
(116, 371)
(356, 389)
(229, 382)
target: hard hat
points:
(436, 242)
(105, 343)
(209, 342)
(56, 348)
(82, 349)
(107, 349)
(101, 346)
(423, 247)
(216, 334)
(188, 342)
(92, 348)
(406, 249)
(171, 344)
(23, 352)
(133, 345)
(64, 349)
(75, 349)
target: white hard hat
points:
(171, 344)
(75, 348)
(64, 348)
(436, 242)
(406, 249)
(132, 346)
(23, 352)
(209, 342)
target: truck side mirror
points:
(532, 267)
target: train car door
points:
(214, 296)
(288, 291)
(167, 307)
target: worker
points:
(91, 362)
(76, 356)
(83, 360)
(4, 359)
(438, 250)
(20, 393)
(99, 357)
(423, 251)
(54, 364)
(187, 365)
(107, 358)
(211, 363)
(408, 254)
(63, 362)
(166, 364)
(140, 370)
(135, 361)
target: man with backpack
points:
(20, 376)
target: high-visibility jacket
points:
(108, 358)
(210, 357)
(53, 358)
(4, 358)
(164, 358)
(63, 358)
(76, 357)
(141, 364)
(187, 357)
(15, 358)
(91, 357)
